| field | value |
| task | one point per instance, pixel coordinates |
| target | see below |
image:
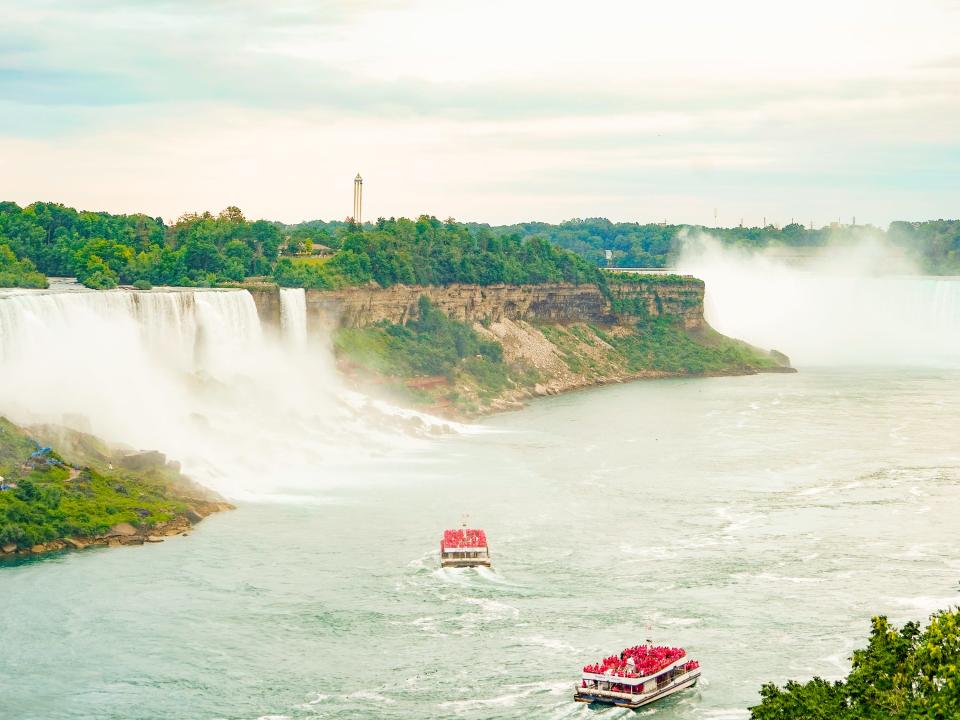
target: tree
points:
(908, 674)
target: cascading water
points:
(852, 306)
(191, 373)
(293, 316)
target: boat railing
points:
(661, 680)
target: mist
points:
(843, 305)
(251, 412)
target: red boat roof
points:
(463, 538)
(637, 661)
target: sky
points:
(494, 111)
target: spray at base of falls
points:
(193, 374)
(854, 305)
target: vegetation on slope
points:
(905, 674)
(430, 345)
(46, 498)
(474, 372)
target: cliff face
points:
(554, 303)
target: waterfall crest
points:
(193, 374)
(835, 309)
(293, 315)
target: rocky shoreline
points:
(124, 533)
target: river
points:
(757, 521)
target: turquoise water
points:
(757, 521)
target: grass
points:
(54, 500)
(663, 345)
(430, 344)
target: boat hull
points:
(636, 701)
(472, 562)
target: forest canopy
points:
(103, 250)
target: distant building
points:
(358, 199)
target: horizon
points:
(840, 222)
(841, 109)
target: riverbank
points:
(462, 351)
(62, 489)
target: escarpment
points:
(563, 303)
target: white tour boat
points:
(464, 547)
(639, 676)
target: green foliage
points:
(907, 674)
(18, 273)
(142, 284)
(102, 250)
(52, 500)
(429, 345)
(662, 344)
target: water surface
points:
(757, 521)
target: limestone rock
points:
(555, 302)
(154, 539)
(122, 529)
(9, 548)
(75, 544)
(144, 460)
(193, 516)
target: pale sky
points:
(488, 110)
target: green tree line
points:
(934, 244)
(102, 250)
(428, 251)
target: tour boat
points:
(639, 676)
(464, 547)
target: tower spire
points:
(358, 199)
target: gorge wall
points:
(680, 297)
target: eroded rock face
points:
(122, 530)
(553, 303)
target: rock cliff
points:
(652, 297)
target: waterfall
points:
(293, 315)
(191, 373)
(837, 309)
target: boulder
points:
(75, 544)
(38, 548)
(9, 548)
(154, 539)
(144, 460)
(193, 516)
(122, 529)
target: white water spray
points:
(192, 373)
(856, 305)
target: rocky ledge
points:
(124, 533)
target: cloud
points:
(561, 104)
